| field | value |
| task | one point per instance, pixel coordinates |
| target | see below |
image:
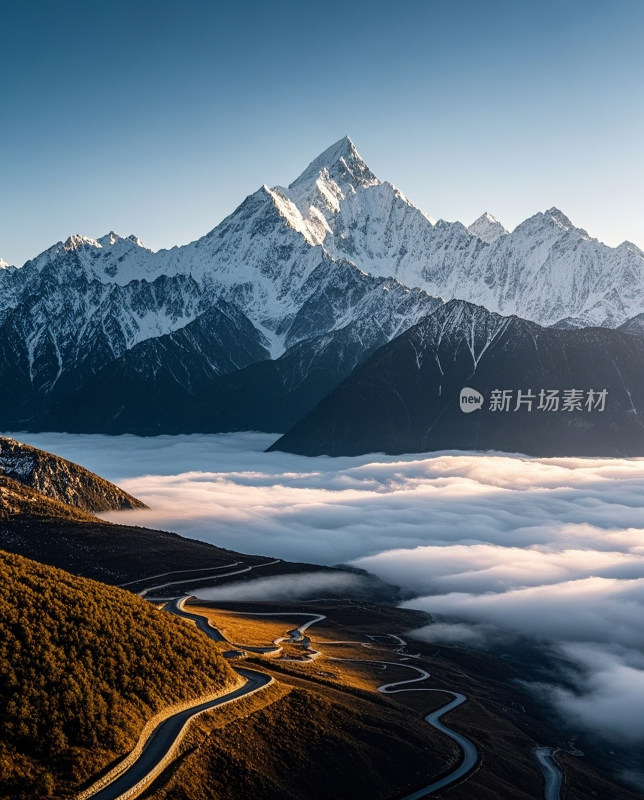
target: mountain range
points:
(407, 396)
(254, 324)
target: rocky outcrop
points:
(61, 480)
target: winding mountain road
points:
(176, 606)
(470, 753)
(209, 576)
(178, 572)
(295, 635)
(552, 775)
(167, 733)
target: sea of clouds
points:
(493, 545)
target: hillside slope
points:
(543, 392)
(18, 501)
(70, 704)
(61, 480)
(58, 534)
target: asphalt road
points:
(165, 734)
(552, 775)
(182, 582)
(178, 573)
(175, 606)
(470, 753)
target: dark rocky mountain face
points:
(215, 374)
(147, 388)
(634, 326)
(406, 397)
(273, 395)
(64, 325)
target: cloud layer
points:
(300, 586)
(552, 548)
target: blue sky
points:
(158, 118)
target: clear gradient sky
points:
(158, 118)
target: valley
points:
(343, 651)
(322, 401)
(385, 713)
(339, 616)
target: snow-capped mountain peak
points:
(109, 239)
(630, 247)
(264, 253)
(122, 243)
(3, 264)
(342, 164)
(488, 228)
(311, 266)
(76, 241)
(559, 218)
(339, 203)
(551, 225)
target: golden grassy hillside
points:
(83, 666)
(299, 740)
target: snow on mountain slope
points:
(545, 270)
(336, 294)
(488, 228)
(634, 326)
(334, 249)
(263, 253)
(84, 303)
(457, 321)
(104, 296)
(215, 368)
(344, 207)
(60, 479)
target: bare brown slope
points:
(55, 533)
(60, 479)
(301, 742)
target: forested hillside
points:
(83, 666)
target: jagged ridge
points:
(274, 274)
(61, 480)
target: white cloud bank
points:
(609, 692)
(552, 548)
(299, 586)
